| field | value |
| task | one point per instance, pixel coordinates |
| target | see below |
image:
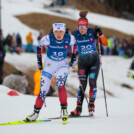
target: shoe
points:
(33, 116)
(77, 111)
(91, 108)
(64, 114)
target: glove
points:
(98, 30)
(73, 61)
(39, 58)
(39, 62)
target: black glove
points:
(39, 58)
(39, 61)
(98, 30)
(73, 61)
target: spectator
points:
(19, 40)
(64, 2)
(8, 42)
(58, 2)
(110, 44)
(29, 42)
(2, 55)
(116, 46)
(13, 41)
(19, 43)
(127, 52)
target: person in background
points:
(14, 44)
(19, 43)
(58, 3)
(64, 2)
(88, 61)
(116, 46)
(8, 43)
(29, 42)
(2, 55)
(109, 46)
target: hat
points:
(59, 27)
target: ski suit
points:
(55, 62)
(88, 63)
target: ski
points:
(23, 122)
(82, 116)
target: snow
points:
(120, 105)
(120, 120)
(11, 24)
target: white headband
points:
(59, 27)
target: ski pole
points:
(102, 76)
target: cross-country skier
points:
(58, 44)
(88, 61)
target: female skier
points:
(88, 61)
(56, 61)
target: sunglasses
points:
(82, 27)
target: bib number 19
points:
(58, 53)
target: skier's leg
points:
(93, 74)
(46, 77)
(83, 74)
(61, 77)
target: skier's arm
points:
(44, 41)
(103, 39)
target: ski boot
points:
(77, 111)
(91, 109)
(33, 116)
(64, 114)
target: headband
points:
(82, 22)
(59, 27)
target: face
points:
(83, 29)
(59, 35)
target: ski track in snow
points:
(120, 120)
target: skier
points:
(88, 61)
(56, 61)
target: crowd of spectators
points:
(13, 43)
(123, 48)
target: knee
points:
(92, 83)
(60, 88)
